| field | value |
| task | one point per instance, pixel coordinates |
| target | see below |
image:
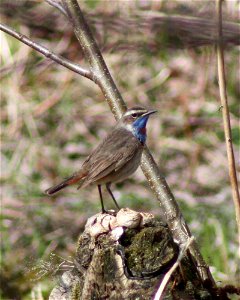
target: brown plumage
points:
(101, 165)
(115, 158)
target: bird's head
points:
(135, 120)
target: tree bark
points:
(125, 256)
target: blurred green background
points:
(52, 118)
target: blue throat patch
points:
(139, 128)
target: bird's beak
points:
(150, 112)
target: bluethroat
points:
(115, 158)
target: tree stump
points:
(125, 255)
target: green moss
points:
(109, 267)
(75, 291)
(150, 250)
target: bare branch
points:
(150, 169)
(226, 117)
(101, 76)
(47, 53)
(57, 5)
(93, 55)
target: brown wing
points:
(115, 151)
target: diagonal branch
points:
(57, 5)
(156, 180)
(93, 55)
(100, 74)
(226, 117)
(51, 55)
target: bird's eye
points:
(134, 116)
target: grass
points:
(51, 119)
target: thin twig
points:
(160, 292)
(157, 182)
(94, 56)
(101, 76)
(47, 53)
(57, 5)
(226, 118)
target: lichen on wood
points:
(125, 255)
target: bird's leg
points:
(101, 198)
(110, 192)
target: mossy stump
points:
(125, 255)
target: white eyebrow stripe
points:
(133, 111)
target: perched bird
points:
(116, 157)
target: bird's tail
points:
(68, 181)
